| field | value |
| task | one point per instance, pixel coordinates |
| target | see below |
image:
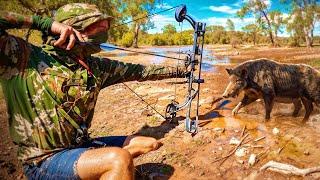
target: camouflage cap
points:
(79, 15)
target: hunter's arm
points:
(113, 72)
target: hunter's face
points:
(96, 28)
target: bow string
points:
(193, 59)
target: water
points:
(208, 59)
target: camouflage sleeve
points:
(9, 20)
(113, 72)
(14, 51)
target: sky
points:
(212, 12)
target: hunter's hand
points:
(65, 32)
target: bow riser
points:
(191, 63)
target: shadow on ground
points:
(159, 132)
(154, 171)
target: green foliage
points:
(261, 12)
(169, 29)
(301, 22)
(293, 42)
(127, 39)
(301, 17)
(230, 25)
(135, 10)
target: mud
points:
(120, 112)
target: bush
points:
(127, 39)
(293, 43)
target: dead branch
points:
(280, 149)
(288, 169)
(224, 158)
(259, 139)
(243, 130)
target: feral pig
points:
(275, 82)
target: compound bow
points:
(192, 59)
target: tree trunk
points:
(311, 33)
(269, 28)
(307, 37)
(136, 33)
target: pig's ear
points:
(244, 73)
(229, 71)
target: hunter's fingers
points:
(63, 37)
(78, 35)
(72, 41)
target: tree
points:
(136, 10)
(252, 30)
(276, 22)
(169, 29)
(233, 39)
(230, 25)
(216, 34)
(261, 10)
(302, 19)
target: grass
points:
(315, 63)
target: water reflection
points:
(208, 59)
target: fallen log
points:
(288, 169)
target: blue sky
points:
(212, 12)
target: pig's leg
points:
(308, 107)
(268, 104)
(244, 102)
(297, 107)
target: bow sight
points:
(193, 58)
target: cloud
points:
(223, 9)
(238, 3)
(163, 6)
(160, 21)
(266, 2)
(221, 21)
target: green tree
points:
(276, 22)
(230, 25)
(216, 34)
(169, 29)
(261, 11)
(302, 19)
(252, 30)
(137, 10)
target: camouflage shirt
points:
(48, 94)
